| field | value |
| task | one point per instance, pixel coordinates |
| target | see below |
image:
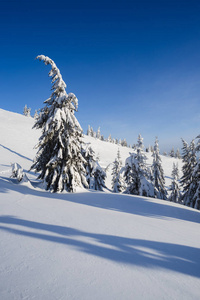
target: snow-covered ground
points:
(90, 245)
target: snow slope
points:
(90, 245)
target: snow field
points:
(90, 245)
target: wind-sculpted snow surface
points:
(90, 245)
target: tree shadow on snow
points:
(15, 152)
(130, 251)
(136, 205)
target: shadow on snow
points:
(15, 152)
(143, 253)
(136, 205)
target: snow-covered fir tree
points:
(88, 154)
(140, 145)
(158, 174)
(95, 175)
(175, 195)
(35, 114)
(194, 187)
(113, 140)
(137, 175)
(17, 172)
(178, 155)
(59, 159)
(109, 139)
(118, 184)
(189, 162)
(89, 131)
(99, 177)
(27, 111)
(175, 171)
(172, 152)
(98, 135)
(192, 193)
(124, 143)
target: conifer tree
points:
(158, 174)
(124, 143)
(35, 114)
(27, 111)
(59, 159)
(95, 175)
(137, 174)
(175, 195)
(178, 155)
(193, 191)
(109, 139)
(188, 179)
(99, 177)
(194, 188)
(89, 131)
(175, 171)
(98, 135)
(172, 153)
(88, 155)
(17, 172)
(117, 177)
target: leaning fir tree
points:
(59, 160)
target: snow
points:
(90, 245)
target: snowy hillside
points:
(90, 245)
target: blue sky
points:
(133, 65)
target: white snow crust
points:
(90, 245)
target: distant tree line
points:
(122, 142)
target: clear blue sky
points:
(133, 65)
